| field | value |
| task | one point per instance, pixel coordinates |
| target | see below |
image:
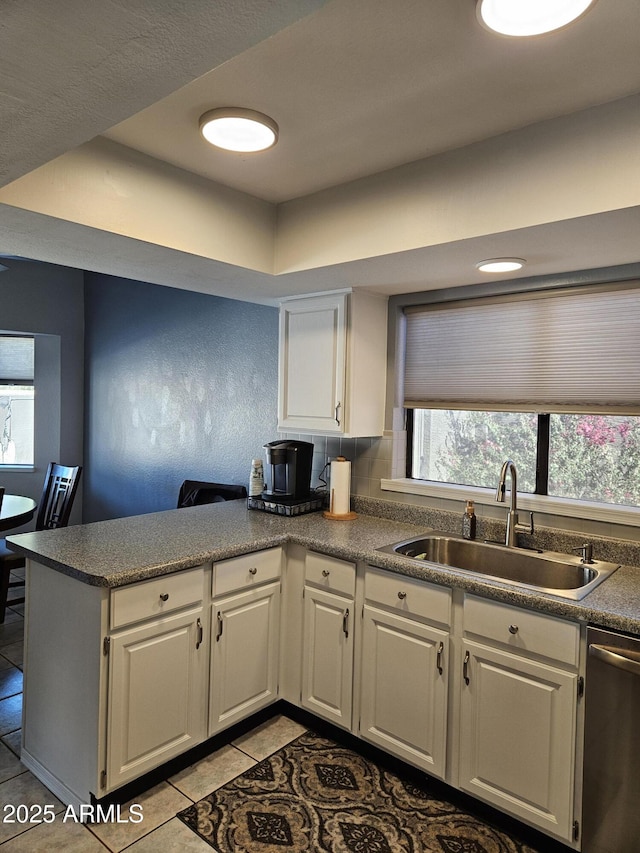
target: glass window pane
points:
(595, 458)
(468, 448)
(16, 424)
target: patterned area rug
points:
(315, 796)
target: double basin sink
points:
(545, 571)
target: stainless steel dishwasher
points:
(611, 798)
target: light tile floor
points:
(159, 831)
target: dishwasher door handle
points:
(614, 656)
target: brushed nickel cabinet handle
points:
(465, 667)
(220, 626)
(439, 657)
(513, 629)
(402, 596)
(345, 622)
(338, 413)
(200, 633)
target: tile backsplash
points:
(371, 460)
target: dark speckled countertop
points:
(122, 551)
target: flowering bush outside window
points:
(589, 457)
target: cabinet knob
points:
(513, 629)
(253, 571)
(402, 596)
(325, 573)
(164, 596)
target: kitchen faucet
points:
(513, 526)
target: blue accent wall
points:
(178, 385)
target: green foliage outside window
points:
(591, 457)
(477, 443)
(595, 458)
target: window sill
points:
(534, 503)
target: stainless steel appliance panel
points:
(611, 798)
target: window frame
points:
(542, 452)
(534, 502)
(21, 381)
(449, 495)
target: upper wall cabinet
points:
(332, 364)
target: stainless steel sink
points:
(547, 571)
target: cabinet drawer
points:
(523, 630)
(408, 596)
(246, 571)
(330, 573)
(156, 597)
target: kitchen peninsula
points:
(147, 635)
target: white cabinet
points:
(518, 712)
(328, 637)
(332, 364)
(157, 673)
(245, 628)
(405, 668)
(156, 695)
(481, 694)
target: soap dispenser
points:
(469, 521)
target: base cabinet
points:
(517, 724)
(404, 689)
(244, 655)
(405, 669)
(327, 673)
(328, 638)
(156, 696)
(481, 694)
(518, 713)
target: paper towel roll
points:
(340, 484)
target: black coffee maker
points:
(288, 471)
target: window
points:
(468, 448)
(548, 378)
(595, 458)
(589, 457)
(16, 400)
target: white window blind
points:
(575, 350)
(16, 359)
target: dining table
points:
(16, 510)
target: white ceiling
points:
(365, 85)
(358, 87)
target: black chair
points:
(60, 486)
(196, 493)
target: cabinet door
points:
(327, 667)
(404, 688)
(244, 655)
(157, 676)
(517, 735)
(312, 364)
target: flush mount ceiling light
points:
(501, 265)
(529, 17)
(237, 129)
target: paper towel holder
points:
(347, 516)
